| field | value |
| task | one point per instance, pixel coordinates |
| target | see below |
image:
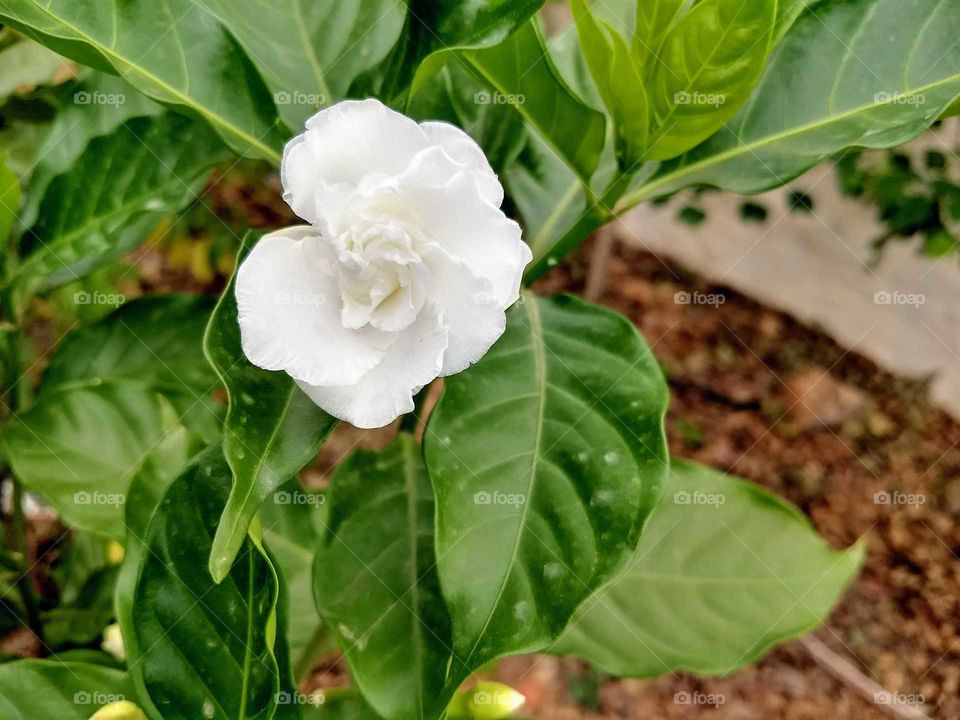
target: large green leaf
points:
(725, 571)
(546, 458)
(71, 690)
(111, 393)
(80, 447)
(618, 78)
(309, 51)
(292, 528)
(376, 582)
(654, 19)
(197, 648)
(271, 431)
(521, 72)
(176, 52)
(707, 65)
(114, 194)
(872, 73)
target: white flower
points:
(403, 274)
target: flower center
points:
(382, 276)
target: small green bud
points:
(122, 710)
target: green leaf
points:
(196, 648)
(193, 63)
(521, 72)
(112, 392)
(708, 64)
(309, 51)
(116, 192)
(32, 689)
(292, 528)
(90, 108)
(80, 447)
(155, 340)
(619, 81)
(836, 80)
(9, 202)
(654, 19)
(26, 64)
(724, 572)
(376, 584)
(546, 458)
(271, 431)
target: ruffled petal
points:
(387, 391)
(289, 313)
(464, 151)
(344, 144)
(474, 317)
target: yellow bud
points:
(115, 552)
(113, 642)
(493, 701)
(122, 710)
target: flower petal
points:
(475, 319)
(387, 391)
(344, 144)
(464, 150)
(468, 227)
(289, 313)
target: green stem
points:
(31, 603)
(596, 215)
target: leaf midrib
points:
(272, 155)
(539, 358)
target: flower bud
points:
(122, 710)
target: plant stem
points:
(27, 593)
